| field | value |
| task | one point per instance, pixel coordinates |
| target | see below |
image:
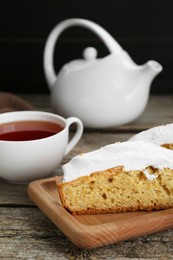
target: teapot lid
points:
(89, 55)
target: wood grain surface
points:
(27, 233)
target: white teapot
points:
(102, 92)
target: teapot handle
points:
(108, 40)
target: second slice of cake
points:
(161, 135)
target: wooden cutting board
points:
(90, 231)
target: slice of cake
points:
(120, 177)
(161, 135)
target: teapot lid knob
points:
(90, 53)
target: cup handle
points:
(77, 135)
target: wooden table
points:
(26, 233)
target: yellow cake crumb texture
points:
(117, 190)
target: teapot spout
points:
(152, 69)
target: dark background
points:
(143, 28)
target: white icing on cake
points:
(159, 135)
(132, 155)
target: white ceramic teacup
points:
(22, 161)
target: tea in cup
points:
(33, 143)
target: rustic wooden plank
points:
(13, 194)
(39, 101)
(25, 233)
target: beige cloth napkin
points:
(10, 102)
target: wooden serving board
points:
(90, 231)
